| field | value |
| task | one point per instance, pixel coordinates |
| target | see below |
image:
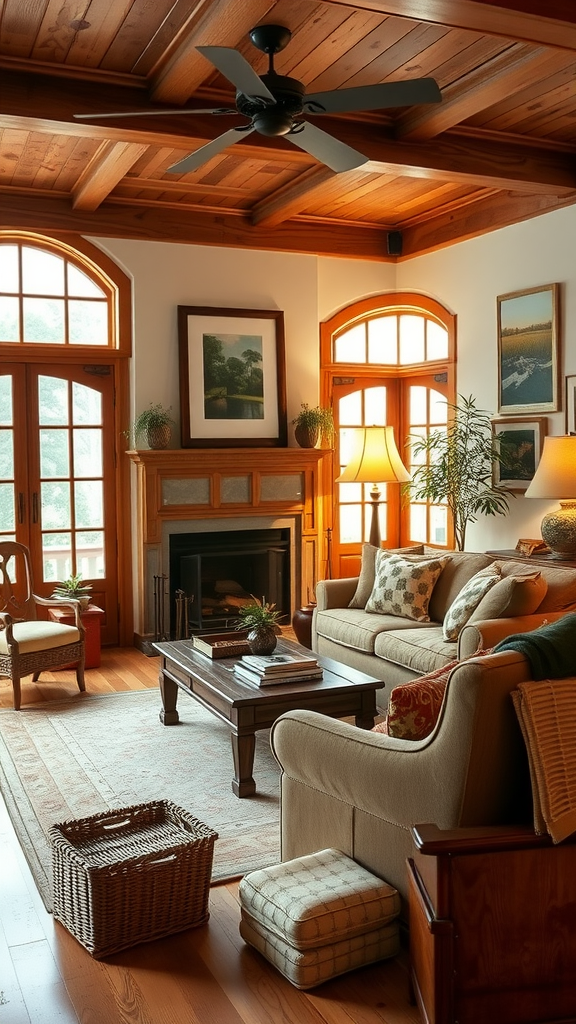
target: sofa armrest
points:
(335, 593)
(486, 633)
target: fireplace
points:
(213, 575)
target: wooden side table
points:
(537, 559)
(91, 618)
(492, 926)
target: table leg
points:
(243, 748)
(365, 718)
(169, 694)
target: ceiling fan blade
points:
(200, 156)
(237, 70)
(158, 113)
(374, 97)
(330, 151)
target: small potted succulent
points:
(155, 424)
(261, 620)
(313, 426)
(74, 587)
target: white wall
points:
(466, 278)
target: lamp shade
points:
(374, 458)
(555, 476)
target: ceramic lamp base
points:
(558, 529)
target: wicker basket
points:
(131, 875)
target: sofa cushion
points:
(561, 593)
(403, 585)
(356, 628)
(414, 707)
(419, 649)
(468, 600)
(461, 567)
(512, 596)
(367, 570)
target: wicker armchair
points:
(29, 645)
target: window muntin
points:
(392, 339)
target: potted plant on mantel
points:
(155, 424)
(458, 467)
(313, 426)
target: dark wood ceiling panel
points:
(499, 148)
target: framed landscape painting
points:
(528, 357)
(232, 377)
(520, 441)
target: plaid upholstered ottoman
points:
(319, 916)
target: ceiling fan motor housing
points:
(275, 118)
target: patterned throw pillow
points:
(468, 600)
(367, 570)
(413, 708)
(403, 586)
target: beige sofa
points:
(361, 791)
(397, 649)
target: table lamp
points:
(555, 477)
(374, 458)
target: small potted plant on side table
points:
(75, 588)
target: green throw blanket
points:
(551, 649)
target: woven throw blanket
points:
(550, 649)
(546, 711)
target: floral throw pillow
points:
(403, 586)
(468, 600)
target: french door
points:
(57, 480)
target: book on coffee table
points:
(278, 664)
(301, 675)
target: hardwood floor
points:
(203, 976)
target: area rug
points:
(68, 759)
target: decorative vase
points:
(306, 437)
(159, 437)
(262, 641)
(302, 624)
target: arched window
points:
(388, 360)
(64, 342)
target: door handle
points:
(35, 507)
(21, 507)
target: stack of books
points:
(270, 669)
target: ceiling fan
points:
(274, 104)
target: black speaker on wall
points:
(394, 243)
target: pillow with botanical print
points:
(403, 586)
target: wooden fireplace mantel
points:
(229, 483)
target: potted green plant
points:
(155, 424)
(75, 588)
(261, 620)
(458, 467)
(313, 426)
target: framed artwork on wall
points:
(528, 351)
(570, 403)
(232, 377)
(521, 440)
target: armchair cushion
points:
(414, 707)
(403, 586)
(35, 635)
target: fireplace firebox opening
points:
(212, 575)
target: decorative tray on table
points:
(221, 645)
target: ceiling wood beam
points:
(290, 200)
(504, 75)
(109, 165)
(532, 21)
(474, 219)
(147, 223)
(212, 22)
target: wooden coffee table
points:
(342, 692)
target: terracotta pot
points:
(262, 641)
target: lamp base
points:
(559, 530)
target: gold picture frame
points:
(528, 351)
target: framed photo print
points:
(570, 396)
(232, 377)
(528, 356)
(520, 441)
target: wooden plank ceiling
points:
(498, 149)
